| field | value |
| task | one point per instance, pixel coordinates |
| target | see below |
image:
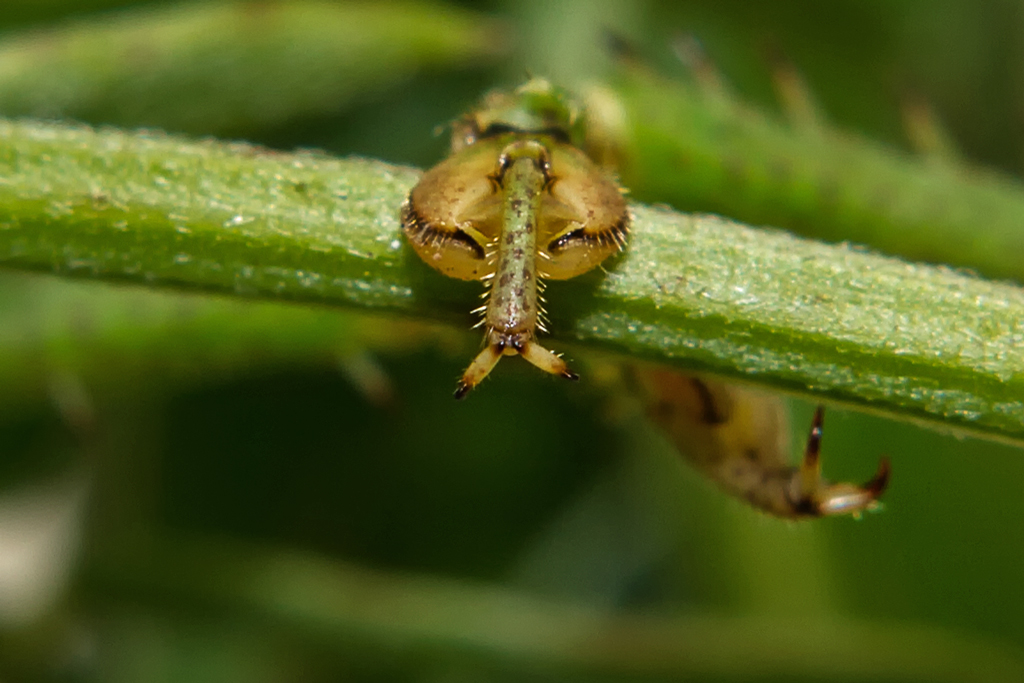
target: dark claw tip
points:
(569, 374)
(819, 416)
(881, 479)
(461, 390)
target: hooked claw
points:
(813, 496)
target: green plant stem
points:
(700, 292)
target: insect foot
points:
(812, 496)
(738, 438)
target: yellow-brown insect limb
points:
(738, 438)
(819, 498)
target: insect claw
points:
(850, 499)
(547, 361)
(816, 497)
(878, 483)
(479, 368)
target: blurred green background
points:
(248, 492)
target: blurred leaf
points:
(336, 605)
(701, 152)
(124, 341)
(231, 68)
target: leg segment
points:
(512, 309)
(737, 437)
(478, 369)
(820, 498)
(546, 360)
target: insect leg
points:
(737, 437)
(819, 497)
(512, 309)
(546, 360)
(478, 369)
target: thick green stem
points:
(700, 292)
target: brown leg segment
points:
(478, 369)
(547, 361)
(736, 436)
(814, 496)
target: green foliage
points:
(231, 68)
(718, 296)
(250, 373)
(695, 150)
